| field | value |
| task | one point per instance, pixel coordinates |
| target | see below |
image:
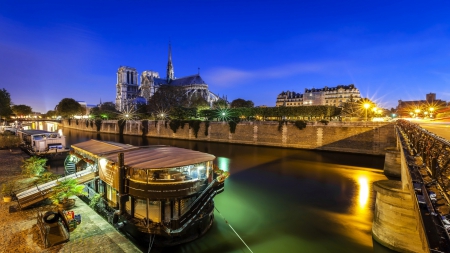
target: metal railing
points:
(434, 151)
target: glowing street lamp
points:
(366, 105)
(431, 111)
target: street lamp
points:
(366, 105)
(431, 111)
(417, 112)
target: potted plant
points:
(7, 190)
(33, 166)
(64, 190)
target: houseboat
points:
(51, 145)
(162, 194)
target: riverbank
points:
(19, 231)
(371, 138)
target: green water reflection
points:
(283, 200)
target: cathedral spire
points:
(170, 72)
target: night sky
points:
(390, 50)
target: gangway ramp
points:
(40, 192)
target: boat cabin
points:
(160, 190)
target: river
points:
(281, 200)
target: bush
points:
(300, 124)
(9, 141)
(33, 166)
(324, 121)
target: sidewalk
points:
(20, 234)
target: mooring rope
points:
(233, 230)
(150, 243)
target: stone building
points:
(420, 108)
(334, 96)
(130, 92)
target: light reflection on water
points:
(282, 200)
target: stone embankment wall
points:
(354, 137)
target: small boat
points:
(50, 145)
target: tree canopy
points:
(68, 108)
(21, 110)
(241, 103)
(5, 104)
(106, 110)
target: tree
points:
(21, 110)
(166, 98)
(242, 103)
(221, 103)
(68, 108)
(5, 104)
(50, 114)
(106, 110)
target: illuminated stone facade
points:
(130, 92)
(333, 96)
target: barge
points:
(50, 145)
(161, 194)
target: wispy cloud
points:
(229, 77)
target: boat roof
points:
(35, 131)
(148, 157)
(99, 148)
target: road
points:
(439, 128)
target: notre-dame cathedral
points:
(130, 92)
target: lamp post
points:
(431, 111)
(417, 112)
(366, 105)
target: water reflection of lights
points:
(363, 191)
(223, 163)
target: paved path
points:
(20, 234)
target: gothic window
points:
(128, 77)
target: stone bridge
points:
(412, 213)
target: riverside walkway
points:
(19, 231)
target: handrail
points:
(434, 150)
(177, 225)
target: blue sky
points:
(390, 50)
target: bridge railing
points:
(433, 149)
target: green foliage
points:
(195, 125)
(21, 110)
(5, 104)
(175, 124)
(220, 104)
(98, 124)
(68, 108)
(8, 188)
(33, 166)
(8, 140)
(144, 127)
(46, 177)
(121, 123)
(300, 124)
(206, 128)
(280, 124)
(233, 123)
(106, 111)
(323, 121)
(95, 201)
(66, 189)
(238, 103)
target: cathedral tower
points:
(126, 87)
(170, 73)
